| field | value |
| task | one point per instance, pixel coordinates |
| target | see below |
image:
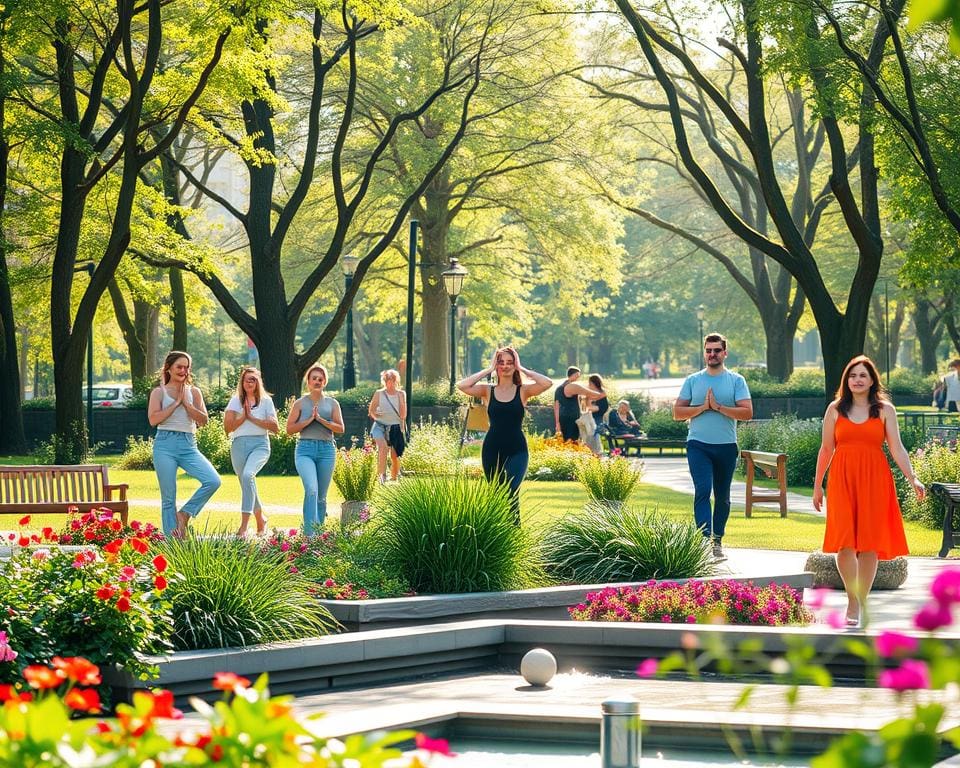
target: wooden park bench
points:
(43, 489)
(634, 446)
(949, 494)
(773, 465)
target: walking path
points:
(673, 473)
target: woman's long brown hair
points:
(876, 396)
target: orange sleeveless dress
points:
(862, 508)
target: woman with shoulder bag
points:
(504, 453)
(388, 409)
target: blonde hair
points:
(390, 373)
(261, 391)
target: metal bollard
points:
(620, 733)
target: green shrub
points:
(904, 381)
(138, 454)
(804, 382)
(798, 438)
(660, 425)
(450, 535)
(355, 473)
(552, 458)
(434, 449)
(607, 543)
(227, 593)
(932, 463)
(608, 479)
(39, 404)
(422, 395)
(214, 443)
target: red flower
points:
(9, 693)
(41, 677)
(106, 591)
(78, 669)
(123, 604)
(216, 753)
(84, 700)
(103, 727)
(139, 545)
(89, 534)
(436, 746)
(25, 520)
(160, 563)
(228, 681)
(23, 541)
(163, 705)
(48, 533)
(160, 583)
(114, 546)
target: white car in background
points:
(110, 395)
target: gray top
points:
(178, 421)
(316, 430)
(388, 408)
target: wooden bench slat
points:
(773, 465)
(41, 489)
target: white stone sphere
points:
(538, 666)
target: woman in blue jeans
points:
(176, 409)
(249, 419)
(316, 418)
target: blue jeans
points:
(711, 467)
(173, 450)
(314, 460)
(248, 454)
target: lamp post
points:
(700, 313)
(411, 275)
(89, 268)
(453, 283)
(349, 264)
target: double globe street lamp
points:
(453, 277)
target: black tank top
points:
(505, 435)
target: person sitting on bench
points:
(622, 421)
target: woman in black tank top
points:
(504, 454)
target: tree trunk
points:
(929, 332)
(779, 339)
(435, 315)
(178, 309)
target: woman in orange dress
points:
(863, 516)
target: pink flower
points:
(890, 644)
(933, 616)
(6, 652)
(945, 587)
(127, 573)
(435, 746)
(910, 675)
(647, 668)
(817, 598)
(285, 546)
(836, 620)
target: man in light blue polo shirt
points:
(714, 400)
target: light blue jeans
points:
(248, 454)
(173, 450)
(314, 460)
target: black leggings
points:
(511, 469)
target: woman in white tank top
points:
(387, 408)
(176, 408)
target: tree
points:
(100, 92)
(841, 331)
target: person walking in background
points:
(388, 408)
(951, 384)
(713, 399)
(504, 451)
(249, 419)
(597, 409)
(176, 409)
(863, 516)
(622, 422)
(566, 404)
(316, 418)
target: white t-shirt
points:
(263, 410)
(952, 380)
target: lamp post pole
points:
(886, 325)
(349, 371)
(219, 356)
(700, 313)
(453, 277)
(411, 275)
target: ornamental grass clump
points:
(355, 473)
(609, 479)
(452, 534)
(230, 593)
(696, 602)
(606, 543)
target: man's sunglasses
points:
(716, 351)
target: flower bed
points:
(696, 602)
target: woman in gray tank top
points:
(316, 418)
(176, 409)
